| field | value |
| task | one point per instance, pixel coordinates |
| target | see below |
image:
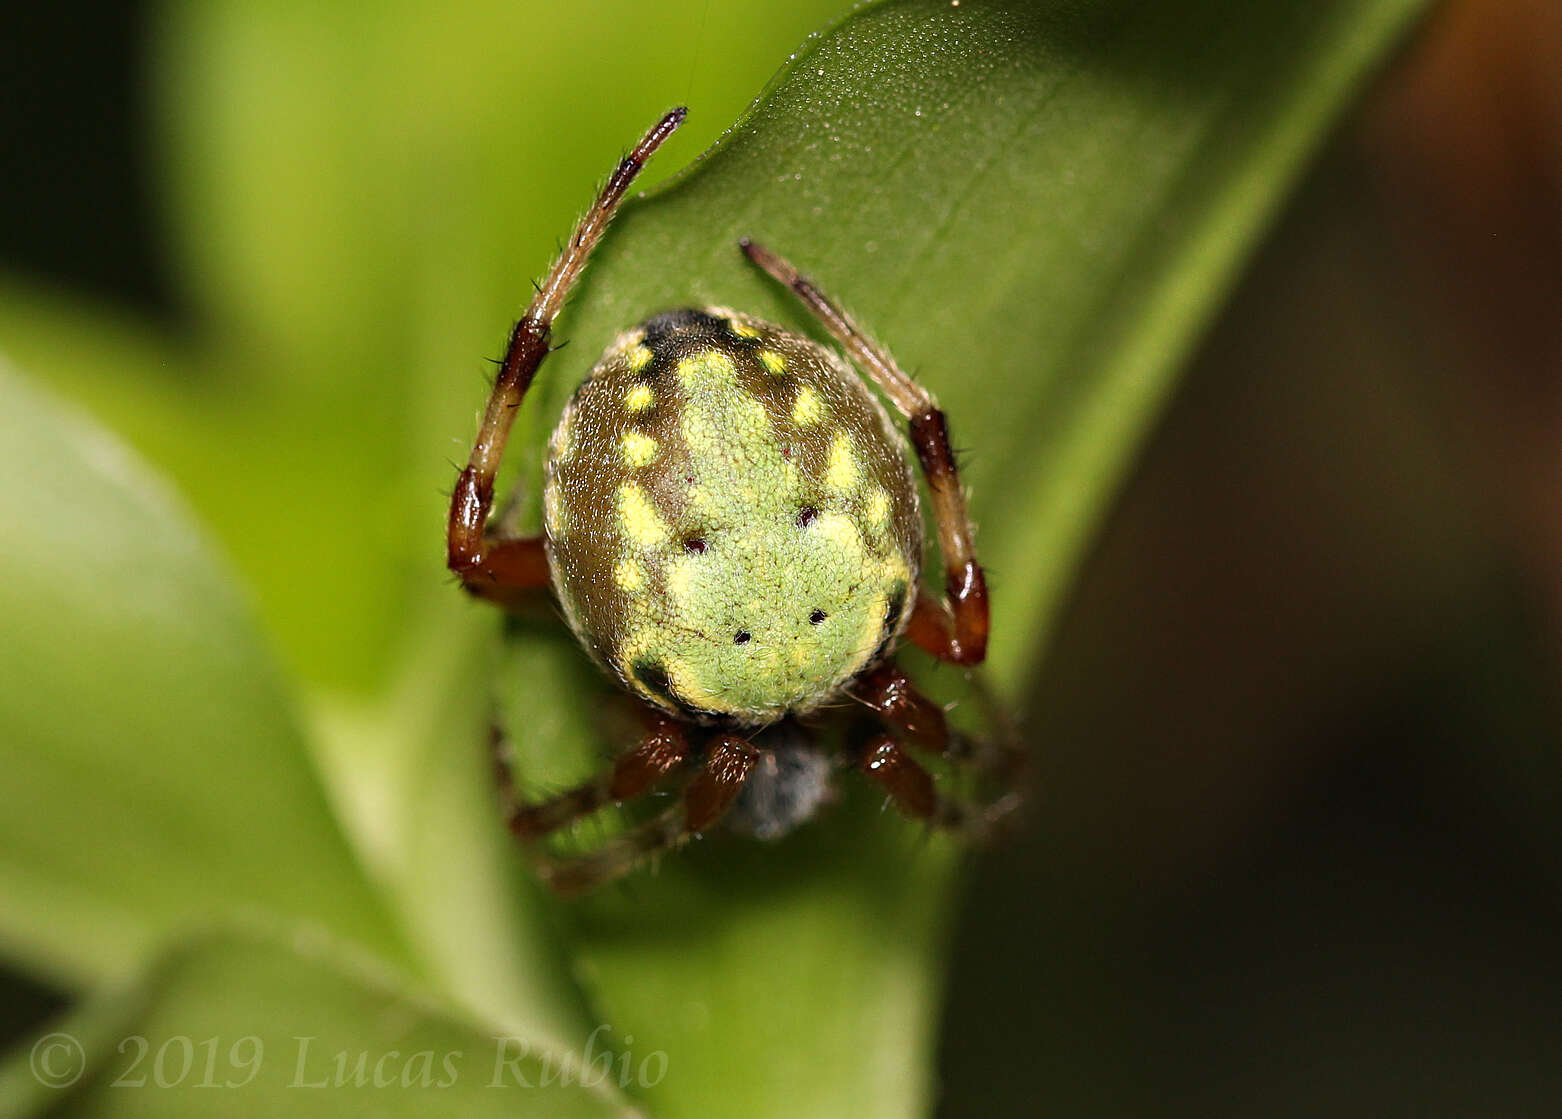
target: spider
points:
(732, 531)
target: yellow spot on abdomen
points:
(638, 518)
(562, 445)
(688, 686)
(838, 530)
(894, 569)
(743, 330)
(637, 448)
(680, 582)
(841, 474)
(639, 397)
(628, 576)
(639, 358)
(872, 628)
(553, 512)
(710, 365)
(878, 510)
(772, 361)
(807, 410)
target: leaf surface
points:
(239, 1023)
(154, 770)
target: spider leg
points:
(919, 722)
(708, 796)
(914, 720)
(727, 765)
(481, 562)
(514, 569)
(955, 627)
(635, 773)
(910, 788)
(581, 874)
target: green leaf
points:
(243, 1025)
(416, 790)
(154, 771)
(1036, 207)
(264, 466)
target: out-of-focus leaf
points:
(237, 1025)
(154, 771)
(281, 476)
(415, 786)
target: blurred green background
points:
(1295, 839)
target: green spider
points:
(733, 533)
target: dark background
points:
(71, 98)
(1298, 850)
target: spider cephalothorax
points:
(732, 531)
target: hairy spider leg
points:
(910, 789)
(492, 566)
(728, 763)
(661, 750)
(919, 722)
(914, 720)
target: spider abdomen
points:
(731, 519)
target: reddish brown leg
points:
(474, 556)
(954, 628)
(517, 567)
(717, 785)
(616, 858)
(910, 788)
(659, 752)
(914, 718)
(917, 721)
(708, 796)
